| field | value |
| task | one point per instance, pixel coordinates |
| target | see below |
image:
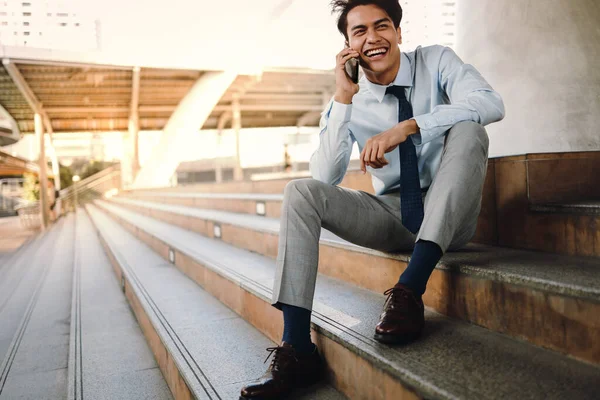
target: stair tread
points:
(569, 275)
(589, 207)
(40, 346)
(17, 283)
(228, 350)
(453, 359)
(204, 195)
(116, 361)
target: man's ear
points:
(346, 44)
(399, 35)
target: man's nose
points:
(373, 36)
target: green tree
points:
(66, 176)
(94, 167)
(31, 187)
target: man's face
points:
(371, 32)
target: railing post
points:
(75, 188)
(236, 124)
(44, 206)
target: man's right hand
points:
(345, 89)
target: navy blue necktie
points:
(411, 202)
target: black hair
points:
(391, 7)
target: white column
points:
(131, 145)
(44, 206)
(126, 164)
(188, 117)
(134, 120)
(551, 99)
(223, 120)
(236, 125)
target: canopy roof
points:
(96, 97)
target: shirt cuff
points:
(426, 123)
(339, 112)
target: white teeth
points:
(375, 52)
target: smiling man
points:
(418, 119)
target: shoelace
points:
(398, 296)
(279, 351)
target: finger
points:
(367, 154)
(347, 51)
(375, 164)
(374, 152)
(373, 158)
(381, 156)
(362, 163)
(345, 58)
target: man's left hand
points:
(373, 154)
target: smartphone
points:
(351, 67)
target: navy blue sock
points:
(422, 263)
(296, 328)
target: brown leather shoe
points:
(288, 370)
(403, 316)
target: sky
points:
(215, 34)
(230, 31)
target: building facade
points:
(51, 24)
(428, 22)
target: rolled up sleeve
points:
(471, 99)
(330, 161)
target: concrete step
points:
(549, 300)
(564, 227)
(513, 188)
(109, 357)
(35, 362)
(354, 179)
(558, 227)
(18, 279)
(590, 207)
(517, 185)
(568, 228)
(204, 349)
(453, 359)
(268, 205)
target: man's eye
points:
(359, 32)
(384, 26)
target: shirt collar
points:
(403, 78)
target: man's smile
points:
(376, 53)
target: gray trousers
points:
(452, 206)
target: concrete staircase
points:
(100, 315)
(65, 327)
(501, 322)
(166, 294)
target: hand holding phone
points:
(351, 67)
(346, 75)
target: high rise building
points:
(427, 22)
(50, 24)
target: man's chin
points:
(379, 68)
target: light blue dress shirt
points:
(442, 91)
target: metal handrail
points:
(92, 178)
(91, 187)
(11, 180)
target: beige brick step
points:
(204, 350)
(549, 300)
(453, 359)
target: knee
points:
(300, 190)
(472, 135)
